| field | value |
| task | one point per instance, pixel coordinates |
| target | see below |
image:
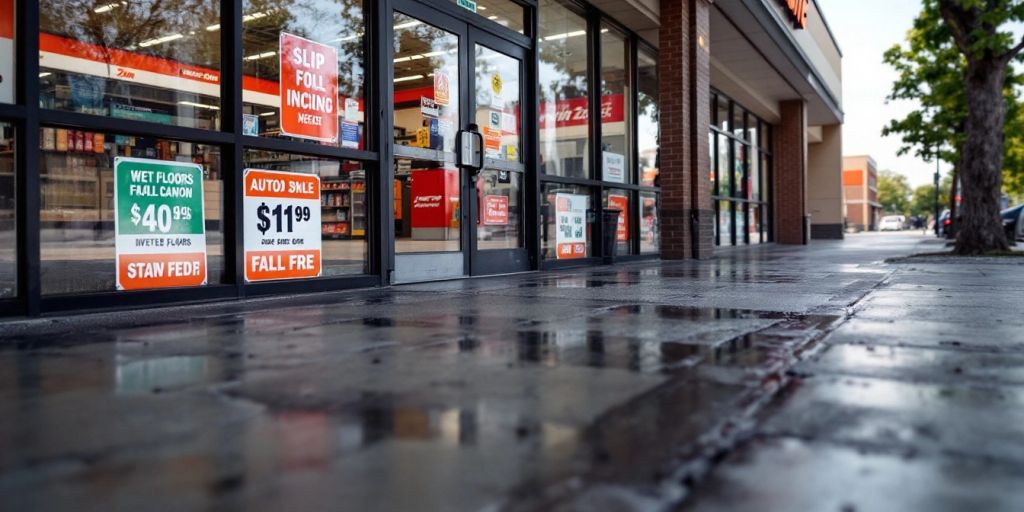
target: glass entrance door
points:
(450, 222)
(498, 242)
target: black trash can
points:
(610, 223)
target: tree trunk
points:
(980, 229)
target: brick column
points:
(684, 77)
(790, 171)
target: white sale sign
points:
(282, 225)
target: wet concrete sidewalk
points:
(916, 402)
(607, 388)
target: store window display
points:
(427, 184)
(647, 117)
(616, 115)
(341, 230)
(171, 201)
(148, 60)
(564, 121)
(303, 73)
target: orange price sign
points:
(309, 89)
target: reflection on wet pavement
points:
(528, 392)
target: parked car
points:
(945, 224)
(1013, 222)
(891, 223)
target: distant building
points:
(860, 192)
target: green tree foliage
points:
(893, 193)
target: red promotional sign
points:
(309, 89)
(7, 19)
(620, 203)
(435, 197)
(573, 112)
(495, 210)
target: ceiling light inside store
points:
(566, 35)
(160, 40)
(44, 73)
(265, 114)
(423, 55)
(260, 56)
(407, 78)
(247, 17)
(346, 38)
(198, 105)
(408, 25)
(492, 17)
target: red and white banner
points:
(573, 112)
(309, 89)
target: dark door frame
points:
(471, 29)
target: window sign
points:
(309, 89)
(282, 225)
(614, 167)
(495, 210)
(571, 225)
(469, 5)
(250, 125)
(159, 224)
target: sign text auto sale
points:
(309, 89)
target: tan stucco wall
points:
(825, 177)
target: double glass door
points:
(449, 76)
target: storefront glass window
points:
(616, 118)
(755, 223)
(342, 211)
(503, 12)
(566, 221)
(7, 77)
(564, 125)
(146, 60)
(754, 179)
(426, 79)
(723, 116)
(741, 223)
(319, 45)
(724, 159)
(724, 222)
(739, 127)
(713, 163)
(740, 153)
(498, 103)
(427, 184)
(650, 228)
(161, 212)
(647, 117)
(8, 221)
(741, 157)
(617, 199)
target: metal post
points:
(936, 192)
